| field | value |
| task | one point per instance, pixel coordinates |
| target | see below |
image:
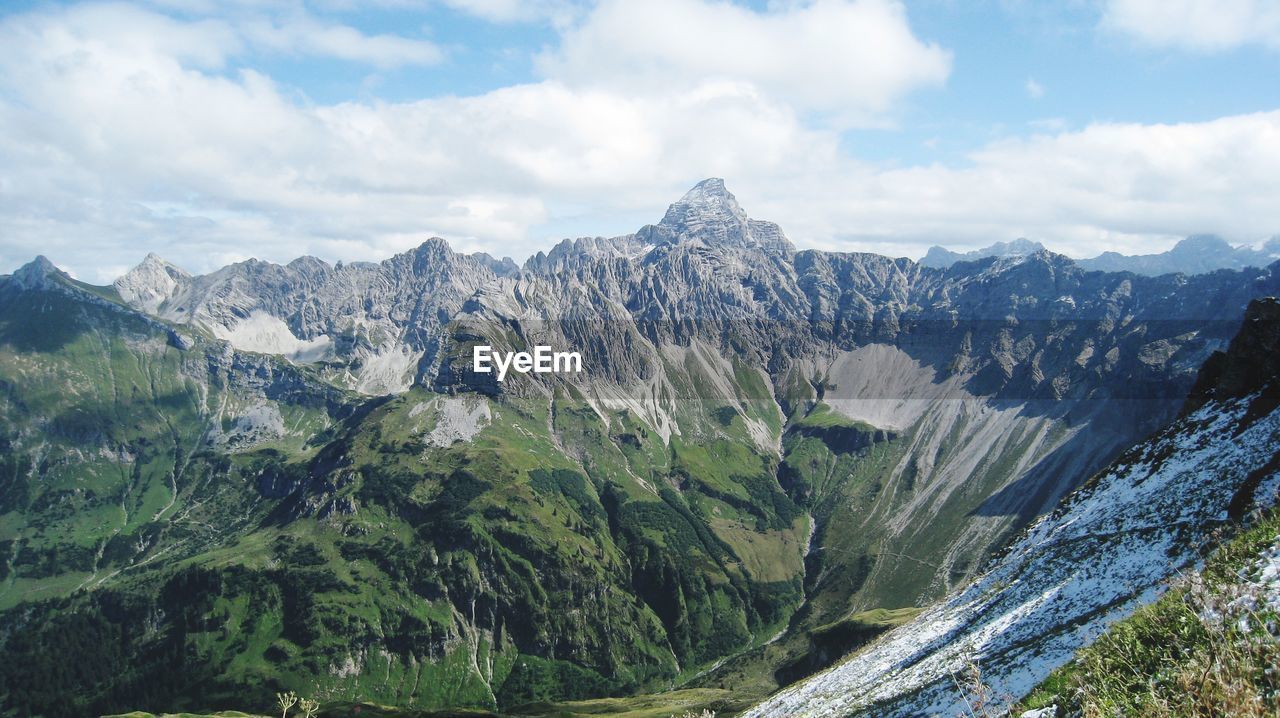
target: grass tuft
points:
(1209, 647)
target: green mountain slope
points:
(202, 527)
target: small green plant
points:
(286, 701)
(308, 707)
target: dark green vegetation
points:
(1208, 647)
(200, 528)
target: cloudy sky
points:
(212, 131)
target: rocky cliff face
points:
(371, 325)
(1104, 552)
(1005, 381)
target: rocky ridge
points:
(1103, 553)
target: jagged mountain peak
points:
(154, 260)
(154, 263)
(434, 244)
(436, 252)
(708, 200)
(709, 213)
(150, 283)
(37, 273)
(309, 263)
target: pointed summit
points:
(39, 272)
(709, 201)
(149, 284)
(709, 212)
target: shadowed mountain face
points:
(290, 476)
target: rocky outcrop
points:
(378, 324)
(1248, 365)
(151, 283)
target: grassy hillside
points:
(1208, 647)
(203, 528)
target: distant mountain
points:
(941, 257)
(1194, 255)
(290, 476)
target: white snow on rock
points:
(1107, 551)
(1257, 590)
(1267, 576)
(261, 332)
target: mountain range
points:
(1194, 255)
(291, 477)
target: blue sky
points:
(210, 132)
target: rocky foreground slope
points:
(1106, 551)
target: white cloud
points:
(248, 25)
(1200, 25)
(1124, 187)
(849, 59)
(1034, 89)
(103, 143)
(303, 34)
(112, 145)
